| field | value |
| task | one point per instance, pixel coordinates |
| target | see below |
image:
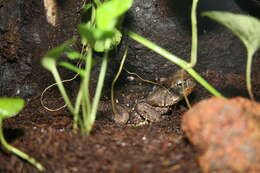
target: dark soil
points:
(47, 136)
(160, 147)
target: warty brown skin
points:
(158, 102)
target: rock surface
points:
(227, 132)
(26, 35)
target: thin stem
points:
(86, 104)
(56, 76)
(176, 60)
(86, 95)
(78, 102)
(194, 37)
(77, 106)
(146, 80)
(100, 84)
(85, 116)
(183, 88)
(17, 151)
(142, 79)
(157, 49)
(114, 81)
(248, 73)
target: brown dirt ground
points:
(48, 136)
(160, 147)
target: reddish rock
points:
(227, 132)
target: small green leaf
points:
(115, 40)
(247, 28)
(72, 68)
(97, 38)
(99, 46)
(92, 34)
(49, 59)
(9, 107)
(108, 13)
(86, 33)
(73, 54)
(48, 63)
(58, 51)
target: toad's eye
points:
(179, 84)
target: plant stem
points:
(194, 43)
(86, 104)
(85, 89)
(194, 37)
(248, 73)
(56, 76)
(17, 151)
(114, 81)
(183, 64)
(77, 107)
(85, 116)
(99, 87)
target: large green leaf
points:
(10, 107)
(247, 28)
(109, 11)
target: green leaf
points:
(99, 46)
(97, 37)
(247, 28)
(50, 58)
(48, 63)
(9, 107)
(116, 38)
(91, 34)
(108, 13)
(72, 68)
(73, 54)
(58, 51)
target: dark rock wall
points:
(167, 23)
(221, 56)
(26, 36)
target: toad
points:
(158, 102)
